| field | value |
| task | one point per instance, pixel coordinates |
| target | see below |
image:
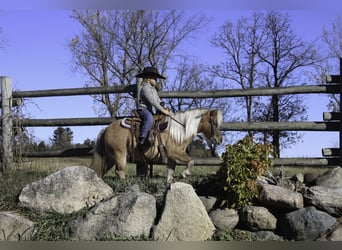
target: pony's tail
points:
(98, 163)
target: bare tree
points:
(115, 45)
(241, 44)
(284, 55)
(264, 51)
(332, 37)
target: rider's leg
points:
(146, 124)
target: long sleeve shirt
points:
(149, 98)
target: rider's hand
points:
(168, 112)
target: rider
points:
(148, 100)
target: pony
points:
(116, 143)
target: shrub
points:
(242, 163)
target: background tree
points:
(61, 138)
(115, 45)
(284, 55)
(264, 51)
(332, 37)
(241, 44)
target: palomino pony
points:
(116, 142)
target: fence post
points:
(7, 124)
(340, 113)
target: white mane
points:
(191, 120)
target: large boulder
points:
(130, 214)
(66, 191)
(258, 218)
(224, 219)
(325, 198)
(305, 224)
(14, 227)
(184, 217)
(331, 178)
(280, 197)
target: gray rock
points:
(208, 202)
(14, 227)
(224, 219)
(267, 236)
(184, 217)
(305, 224)
(280, 197)
(66, 191)
(310, 179)
(130, 214)
(325, 198)
(331, 178)
(336, 234)
(258, 218)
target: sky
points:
(37, 57)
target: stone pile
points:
(289, 210)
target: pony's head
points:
(210, 124)
(195, 121)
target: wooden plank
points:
(219, 93)
(287, 126)
(225, 126)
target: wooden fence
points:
(331, 121)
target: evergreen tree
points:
(62, 138)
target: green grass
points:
(54, 227)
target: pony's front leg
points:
(171, 166)
(187, 171)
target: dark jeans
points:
(147, 122)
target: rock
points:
(287, 183)
(130, 214)
(280, 197)
(298, 178)
(331, 178)
(66, 191)
(224, 219)
(14, 227)
(208, 202)
(336, 234)
(325, 198)
(184, 217)
(267, 235)
(305, 224)
(310, 179)
(258, 218)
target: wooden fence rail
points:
(331, 121)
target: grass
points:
(54, 227)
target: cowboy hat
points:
(150, 71)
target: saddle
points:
(160, 125)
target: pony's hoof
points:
(185, 173)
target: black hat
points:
(150, 71)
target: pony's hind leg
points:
(120, 167)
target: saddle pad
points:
(128, 122)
